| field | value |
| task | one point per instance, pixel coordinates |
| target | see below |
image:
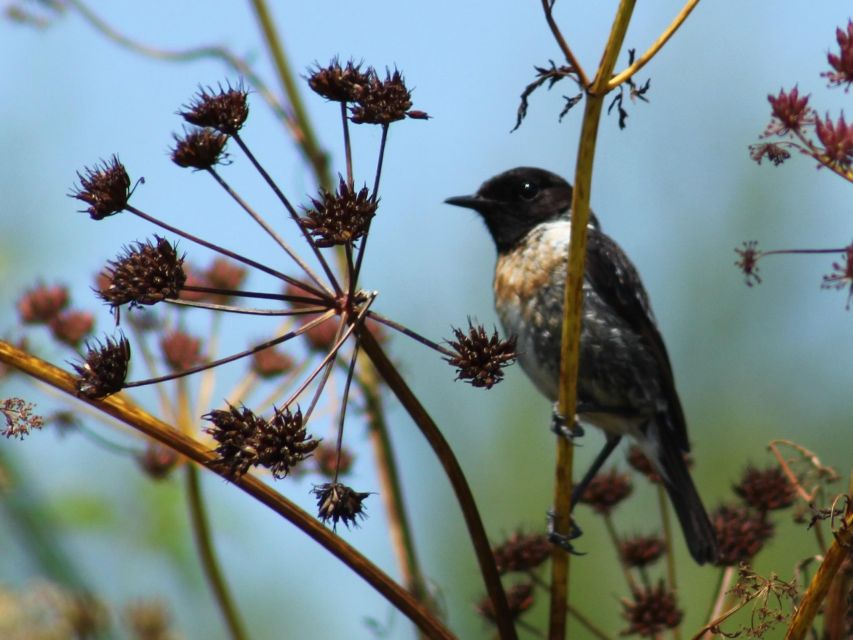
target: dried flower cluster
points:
(650, 611)
(522, 552)
(741, 533)
(147, 273)
(765, 489)
(20, 417)
(199, 149)
(606, 490)
(339, 503)
(519, 598)
(480, 358)
(105, 188)
(104, 370)
(341, 217)
(224, 110)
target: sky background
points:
(676, 188)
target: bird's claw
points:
(564, 541)
(560, 426)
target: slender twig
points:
(614, 539)
(272, 233)
(548, 8)
(226, 252)
(572, 303)
(454, 473)
(347, 146)
(363, 245)
(261, 295)
(227, 308)
(373, 315)
(124, 410)
(344, 402)
(666, 525)
(326, 366)
(723, 581)
(641, 62)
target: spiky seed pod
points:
(233, 428)
(339, 83)
(519, 599)
(339, 503)
(522, 552)
(104, 187)
(341, 217)
(42, 303)
(741, 534)
(606, 490)
(650, 611)
(641, 551)
(199, 149)
(479, 358)
(225, 110)
(147, 273)
(382, 101)
(765, 489)
(104, 370)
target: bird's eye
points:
(528, 190)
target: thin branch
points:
(227, 308)
(354, 279)
(548, 8)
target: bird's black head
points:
(514, 202)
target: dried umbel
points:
(105, 188)
(42, 303)
(339, 83)
(104, 370)
(741, 534)
(641, 551)
(247, 440)
(606, 490)
(181, 351)
(522, 552)
(199, 149)
(147, 273)
(72, 327)
(224, 110)
(339, 503)
(18, 418)
(765, 489)
(341, 217)
(480, 358)
(650, 611)
(382, 101)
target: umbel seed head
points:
(341, 217)
(225, 109)
(199, 149)
(104, 369)
(104, 187)
(147, 273)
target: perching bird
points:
(626, 385)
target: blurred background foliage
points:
(676, 188)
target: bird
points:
(626, 385)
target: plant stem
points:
(570, 351)
(666, 524)
(124, 410)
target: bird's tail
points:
(698, 531)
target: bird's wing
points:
(616, 281)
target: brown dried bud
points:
(765, 489)
(104, 370)
(748, 262)
(339, 503)
(842, 63)
(199, 149)
(224, 110)
(606, 490)
(42, 303)
(271, 362)
(641, 551)
(522, 552)
(843, 275)
(105, 188)
(146, 274)
(382, 101)
(72, 327)
(650, 611)
(224, 274)
(181, 351)
(329, 461)
(337, 83)
(741, 533)
(519, 599)
(340, 218)
(19, 418)
(478, 358)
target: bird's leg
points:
(560, 425)
(609, 445)
(563, 541)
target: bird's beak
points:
(469, 202)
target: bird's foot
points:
(560, 426)
(564, 541)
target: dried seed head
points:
(522, 552)
(770, 150)
(247, 440)
(519, 599)
(157, 461)
(606, 490)
(650, 611)
(147, 273)
(382, 101)
(790, 112)
(741, 533)
(224, 110)
(19, 418)
(104, 187)
(104, 370)
(339, 83)
(199, 149)
(478, 358)
(224, 274)
(837, 140)
(329, 461)
(641, 551)
(339, 503)
(842, 276)
(749, 254)
(765, 489)
(72, 327)
(42, 303)
(320, 337)
(341, 217)
(842, 62)
(181, 351)
(271, 363)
